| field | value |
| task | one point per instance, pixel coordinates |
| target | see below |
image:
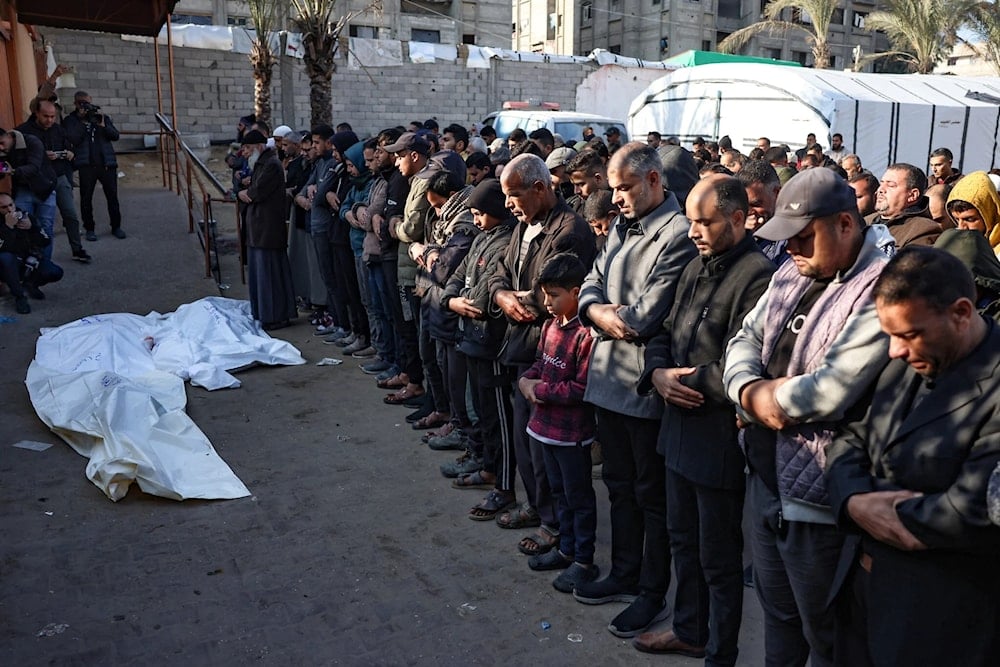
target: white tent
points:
(884, 118)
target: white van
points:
(567, 124)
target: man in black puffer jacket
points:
(91, 133)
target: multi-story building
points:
(482, 22)
(657, 29)
(967, 60)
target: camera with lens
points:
(91, 112)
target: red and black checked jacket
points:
(561, 364)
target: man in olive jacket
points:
(698, 434)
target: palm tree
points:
(320, 35)
(266, 16)
(922, 31)
(820, 14)
(984, 20)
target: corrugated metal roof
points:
(131, 17)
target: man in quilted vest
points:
(807, 352)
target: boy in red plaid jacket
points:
(563, 423)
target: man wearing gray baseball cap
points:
(805, 354)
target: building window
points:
(243, 21)
(773, 54)
(193, 19)
(837, 18)
(615, 48)
(800, 57)
(706, 45)
(421, 35)
(952, 62)
(859, 20)
(730, 9)
(656, 2)
(586, 12)
(364, 31)
(468, 39)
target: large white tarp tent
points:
(884, 118)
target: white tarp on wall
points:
(884, 118)
(112, 386)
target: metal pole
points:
(207, 233)
(190, 194)
(159, 108)
(173, 99)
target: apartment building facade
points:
(658, 29)
(482, 22)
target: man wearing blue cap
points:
(807, 352)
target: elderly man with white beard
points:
(272, 298)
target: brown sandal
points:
(496, 501)
(442, 431)
(541, 541)
(395, 382)
(402, 396)
(433, 420)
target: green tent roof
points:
(692, 58)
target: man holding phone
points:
(58, 151)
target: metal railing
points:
(183, 171)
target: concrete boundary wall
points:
(215, 88)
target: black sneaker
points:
(81, 256)
(604, 591)
(573, 576)
(21, 305)
(419, 413)
(33, 291)
(637, 616)
(553, 560)
(90, 235)
(118, 233)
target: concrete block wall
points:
(215, 88)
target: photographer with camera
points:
(91, 133)
(23, 265)
(32, 176)
(58, 151)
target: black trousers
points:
(706, 542)
(531, 458)
(635, 476)
(490, 381)
(404, 308)
(108, 178)
(347, 291)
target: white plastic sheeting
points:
(884, 118)
(112, 386)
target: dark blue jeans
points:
(12, 273)
(386, 342)
(793, 568)
(42, 211)
(569, 470)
